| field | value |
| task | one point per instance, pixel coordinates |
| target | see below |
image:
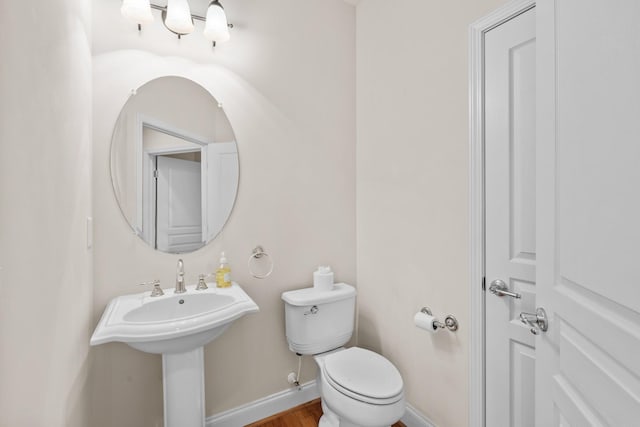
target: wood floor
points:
(306, 415)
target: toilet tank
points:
(318, 321)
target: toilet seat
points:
(363, 375)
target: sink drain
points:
(181, 301)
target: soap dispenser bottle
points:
(223, 273)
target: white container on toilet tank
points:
(323, 278)
(319, 321)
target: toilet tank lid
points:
(312, 296)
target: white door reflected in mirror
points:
(178, 208)
(174, 165)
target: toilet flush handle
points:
(312, 310)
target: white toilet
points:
(359, 388)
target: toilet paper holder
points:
(450, 322)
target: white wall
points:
(412, 192)
(287, 83)
(45, 183)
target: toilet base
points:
(331, 419)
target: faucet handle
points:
(157, 290)
(202, 285)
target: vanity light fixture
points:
(216, 27)
(138, 11)
(178, 19)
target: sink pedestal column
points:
(183, 382)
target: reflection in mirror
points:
(174, 165)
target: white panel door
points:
(221, 183)
(588, 213)
(178, 205)
(510, 229)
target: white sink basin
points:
(177, 307)
(172, 323)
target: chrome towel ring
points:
(259, 253)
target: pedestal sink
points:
(176, 326)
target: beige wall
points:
(412, 192)
(45, 184)
(287, 84)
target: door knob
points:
(499, 288)
(537, 321)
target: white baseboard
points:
(287, 399)
(413, 418)
(265, 407)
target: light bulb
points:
(138, 11)
(216, 27)
(178, 18)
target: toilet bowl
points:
(358, 387)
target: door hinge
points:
(155, 174)
(484, 285)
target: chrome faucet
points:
(180, 289)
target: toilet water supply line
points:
(294, 378)
(297, 381)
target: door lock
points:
(499, 288)
(537, 321)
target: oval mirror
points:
(174, 164)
